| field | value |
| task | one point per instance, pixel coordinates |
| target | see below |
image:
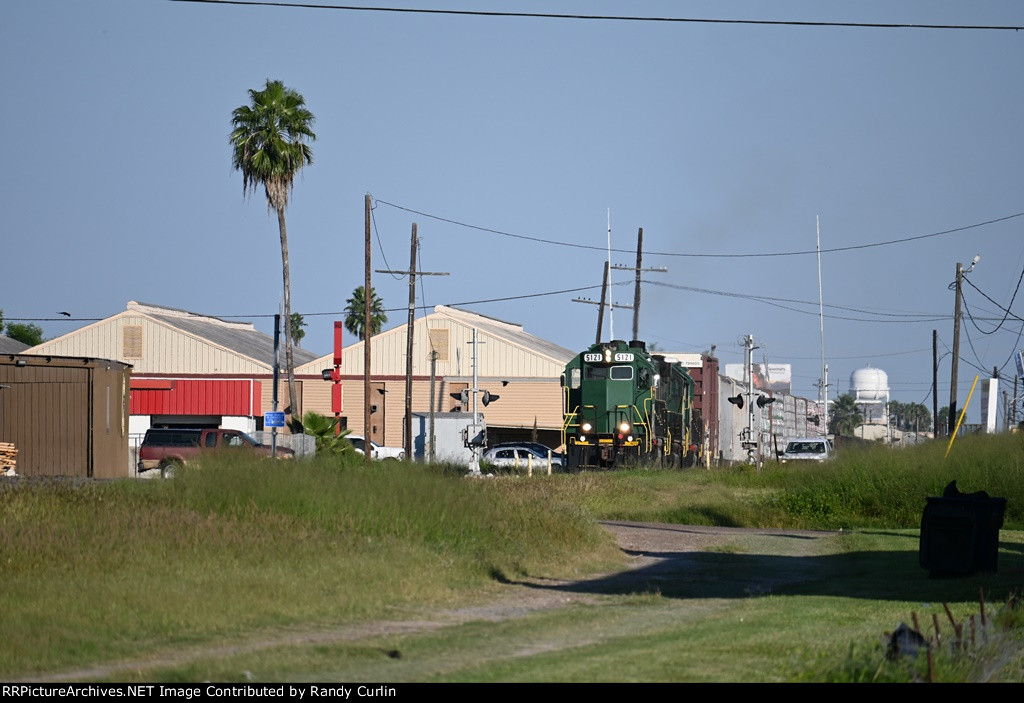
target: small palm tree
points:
(269, 147)
(323, 429)
(355, 313)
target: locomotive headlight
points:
(629, 438)
(624, 427)
(587, 427)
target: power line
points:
(777, 302)
(577, 245)
(614, 18)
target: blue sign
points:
(273, 419)
(1020, 362)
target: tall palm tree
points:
(269, 147)
(355, 312)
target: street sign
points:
(1019, 356)
(273, 419)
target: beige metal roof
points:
(505, 349)
(157, 339)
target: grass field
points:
(233, 552)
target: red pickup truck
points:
(167, 449)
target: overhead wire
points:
(578, 245)
(615, 18)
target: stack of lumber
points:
(8, 459)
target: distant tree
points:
(844, 415)
(355, 313)
(297, 324)
(897, 413)
(268, 141)
(920, 417)
(944, 419)
(26, 334)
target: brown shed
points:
(66, 416)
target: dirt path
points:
(660, 556)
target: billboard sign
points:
(777, 378)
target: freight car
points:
(624, 406)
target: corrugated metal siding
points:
(522, 403)
(67, 417)
(46, 415)
(200, 397)
(166, 350)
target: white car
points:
(376, 450)
(809, 449)
(521, 455)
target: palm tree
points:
(844, 416)
(268, 140)
(355, 313)
(298, 322)
(323, 428)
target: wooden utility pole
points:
(367, 329)
(956, 346)
(935, 383)
(636, 290)
(408, 346)
(604, 298)
(409, 337)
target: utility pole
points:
(433, 375)
(823, 399)
(367, 329)
(474, 466)
(411, 273)
(748, 372)
(935, 384)
(958, 299)
(638, 268)
(277, 373)
(636, 289)
(956, 347)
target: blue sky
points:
(715, 138)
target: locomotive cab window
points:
(596, 373)
(622, 373)
(574, 379)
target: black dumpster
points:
(960, 534)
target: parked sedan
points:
(376, 451)
(521, 456)
(543, 449)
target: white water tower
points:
(870, 389)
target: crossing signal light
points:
(814, 419)
(764, 400)
(489, 398)
(461, 396)
(737, 400)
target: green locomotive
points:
(623, 406)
